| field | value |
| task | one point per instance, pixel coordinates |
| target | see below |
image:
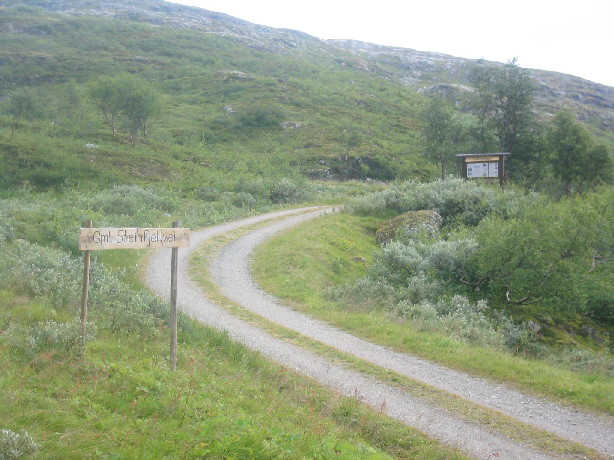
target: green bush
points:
(287, 190)
(241, 199)
(55, 276)
(441, 260)
(261, 116)
(542, 257)
(520, 249)
(452, 199)
(41, 272)
(457, 317)
(366, 292)
(207, 193)
(126, 311)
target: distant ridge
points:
(592, 102)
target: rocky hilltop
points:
(448, 75)
(425, 71)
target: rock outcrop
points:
(412, 221)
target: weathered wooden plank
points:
(92, 239)
(484, 159)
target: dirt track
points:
(231, 272)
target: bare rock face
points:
(410, 221)
(235, 75)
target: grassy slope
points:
(300, 264)
(224, 401)
(354, 122)
(120, 401)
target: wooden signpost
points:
(93, 239)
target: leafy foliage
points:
(454, 200)
(22, 107)
(542, 257)
(577, 161)
(128, 97)
(503, 100)
(515, 251)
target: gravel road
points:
(231, 272)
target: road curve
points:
(231, 271)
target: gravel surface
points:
(231, 271)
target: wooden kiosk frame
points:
(484, 166)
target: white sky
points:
(560, 35)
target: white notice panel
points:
(477, 170)
(482, 170)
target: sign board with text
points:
(93, 239)
(482, 170)
(483, 166)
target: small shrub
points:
(399, 262)
(7, 232)
(127, 312)
(456, 316)
(455, 200)
(584, 360)
(40, 272)
(241, 200)
(420, 288)
(207, 193)
(261, 116)
(14, 445)
(287, 191)
(367, 205)
(365, 292)
(63, 340)
(129, 200)
(255, 186)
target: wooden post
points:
(502, 172)
(173, 316)
(85, 288)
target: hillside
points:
(593, 102)
(334, 109)
(447, 75)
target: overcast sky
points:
(560, 35)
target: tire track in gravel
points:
(231, 271)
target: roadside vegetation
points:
(415, 294)
(121, 400)
(114, 395)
